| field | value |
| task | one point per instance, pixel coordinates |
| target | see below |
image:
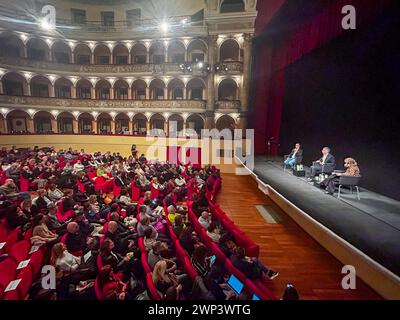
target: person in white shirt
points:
(67, 262)
(205, 219)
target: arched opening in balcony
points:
(139, 89)
(82, 54)
(196, 88)
(157, 87)
(229, 51)
(40, 86)
(3, 128)
(225, 122)
(157, 53)
(195, 122)
(102, 54)
(85, 123)
(11, 46)
(37, 49)
(103, 90)
(43, 122)
(18, 122)
(157, 122)
(139, 124)
(14, 84)
(62, 88)
(176, 89)
(120, 54)
(175, 124)
(139, 53)
(84, 89)
(61, 52)
(122, 124)
(228, 6)
(228, 90)
(197, 51)
(104, 121)
(121, 88)
(65, 122)
(176, 52)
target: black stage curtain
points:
(347, 95)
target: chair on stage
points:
(349, 181)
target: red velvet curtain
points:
(273, 58)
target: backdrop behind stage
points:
(346, 95)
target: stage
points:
(372, 224)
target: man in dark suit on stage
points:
(326, 164)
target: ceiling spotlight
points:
(164, 26)
(45, 25)
(184, 21)
(201, 64)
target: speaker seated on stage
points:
(352, 170)
(295, 157)
(326, 164)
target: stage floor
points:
(372, 225)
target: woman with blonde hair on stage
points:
(352, 170)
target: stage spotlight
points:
(164, 26)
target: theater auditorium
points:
(206, 150)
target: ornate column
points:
(94, 125)
(111, 93)
(73, 92)
(113, 124)
(130, 126)
(1, 87)
(92, 58)
(52, 92)
(130, 93)
(5, 125)
(185, 93)
(148, 126)
(54, 126)
(93, 92)
(75, 128)
(212, 56)
(30, 126)
(247, 55)
(165, 93)
(28, 88)
(147, 93)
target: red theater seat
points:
(154, 294)
(145, 263)
(7, 273)
(20, 250)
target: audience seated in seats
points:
(128, 264)
(157, 253)
(10, 191)
(165, 280)
(200, 260)
(213, 232)
(123, 241)
(252, 268)
(215, 282)
(75, 240)
(41, 232)
(42, 200)
(178, 225)
(72, 219)
(110, 287)
(187, 240)
(52, 222)
(205, 219)
(54, 193)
